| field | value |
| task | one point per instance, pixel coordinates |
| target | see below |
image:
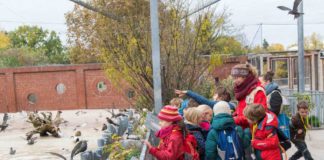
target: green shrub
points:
(314, 121)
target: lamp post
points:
(301, 63)
(156, 55)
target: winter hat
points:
(240, 70)
(169, 113)
(222, 107)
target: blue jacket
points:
(202, 100)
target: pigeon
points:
(12, 151)
(104, 127)
(111, 121)
(58, 120)
(79, 147)
(31, 141)
(293, 11)
(4, 124)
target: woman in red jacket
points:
(247, 90)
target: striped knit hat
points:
(170, 114)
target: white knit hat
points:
(222, 107)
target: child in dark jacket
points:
(171, 135)
(192, 120)
(223, 122)
(264, 132)
(298, 128)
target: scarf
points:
(163, 132)
(242, 90)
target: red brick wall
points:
(223, 71)
(43, 85)
(110, 97)
(3, 96)
(79, 91)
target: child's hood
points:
(222, 121)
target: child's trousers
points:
(302, 151)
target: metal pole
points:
(156, 55)
(300, 25)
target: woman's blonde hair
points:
(254, 112)
(204, 108)
(192, 115)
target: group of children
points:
(210, 131)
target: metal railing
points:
(316, 114)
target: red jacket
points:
(266, 142)
(170, 147)
(238, 115)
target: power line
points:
(260, 27)
(282, 24)
(12, 11)
(201, 8)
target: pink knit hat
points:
(170, 114)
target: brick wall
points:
(59, 87)
(223, 71)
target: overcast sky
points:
(247, 13)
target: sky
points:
(246, 14)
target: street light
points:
(297, 11)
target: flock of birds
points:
(81, 145)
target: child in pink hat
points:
(171, 135)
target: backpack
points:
(229, 145)
(284, 122)
(190, 148)
(283, 131)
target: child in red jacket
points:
(264, 132)
(170, 134)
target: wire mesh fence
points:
(316, 100)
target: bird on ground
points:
(12, 151)
(4, 124)
(111, 121)
(104, 127)
(58, 119)
(31, 141)
(293, 11)
(77, 113)
(78, 148)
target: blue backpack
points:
(284, 124)
(230, 145)
(283, 131)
